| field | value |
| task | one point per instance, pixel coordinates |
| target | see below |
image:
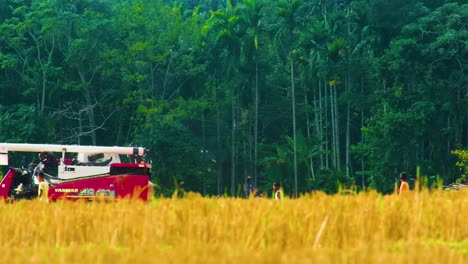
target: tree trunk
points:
(204, 151)
(219, 159)
(92, 123)
(233, 144)
(348, 164)
(256, 126)
(80, 128)
(326, 125)
(43, 64)
(250, 148)
(119, 132)
(466, 120)
(320, 123)
(332, 119)
(324, 14)
(448, 138)
(311, 162)
(348, 91)
(362, 139)
(294, 127)
(89, 108)
(337, 130)
(44, 82)
(466, 126)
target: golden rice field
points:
(422, 227)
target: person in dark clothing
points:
(50, 163)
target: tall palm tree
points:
(223, 26)
(286, 39)
(251, 23)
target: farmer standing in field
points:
(277, 191)
(404, 187)
(43, 190)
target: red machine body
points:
(96, 173)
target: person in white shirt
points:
(43, 190)
(277, 190)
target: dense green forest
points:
(313, 94)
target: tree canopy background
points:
(314, 94)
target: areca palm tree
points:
(251, 23)
(223, 27)
(289, 22)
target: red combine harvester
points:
(94, 173)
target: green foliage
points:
(19, 124)
(462, 165)
(183, 78)
(278, 167)
(329, 181)
(416, 98)
(177, 153)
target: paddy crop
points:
(420, 227)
